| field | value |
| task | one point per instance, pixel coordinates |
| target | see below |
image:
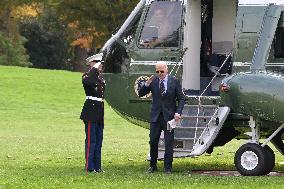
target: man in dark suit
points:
(93, 112)
(166, 91)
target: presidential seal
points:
(139, 83)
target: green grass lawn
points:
(42, 142)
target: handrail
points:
(199, 100)
(227, 57)
(207, 126)
(196, 125)
(178, 62)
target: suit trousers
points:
(93, 145)
(155, 132)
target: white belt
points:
(95, 98)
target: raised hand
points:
(149, 81)
(177, 117)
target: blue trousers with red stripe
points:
(93, 145)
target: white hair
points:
(164, 63)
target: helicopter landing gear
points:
(253, 158)
(270, 160)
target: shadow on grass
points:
(129, 168)
(124, 168)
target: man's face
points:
(159, 15)
(92, 64)
(100, 68)
(161, 70)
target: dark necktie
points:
(162, 88)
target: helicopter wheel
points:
(251, 160)
(270, 160)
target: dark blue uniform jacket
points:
(94, 86)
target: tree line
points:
(57, 34)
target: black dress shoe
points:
(168, 171)
(152, 169)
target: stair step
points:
(179, 138)
(202, 106)
(181, 127)
(192, 116)
(176, 150)
(196, 113)
(193, 122)
(189, 132)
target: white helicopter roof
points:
(260, 2)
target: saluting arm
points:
(144, 90)
(91, 78)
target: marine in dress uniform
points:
(93, 112)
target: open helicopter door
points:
(209, 37)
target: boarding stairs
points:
(198, 128)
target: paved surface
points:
(230, 173)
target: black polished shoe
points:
(152, 169)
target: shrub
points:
(12, 52)
(46, 48)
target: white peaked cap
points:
(96, 57)
(97, 65)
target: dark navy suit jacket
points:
(167, 104)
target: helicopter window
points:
(279, 43)
(162, 25)
(128, 35)
(117, 59)
(129, 31)
(279, 39)
(251, 23)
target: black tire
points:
(250, 160)
(269, 161)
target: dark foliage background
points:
(60, 34)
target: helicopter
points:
(229, 57)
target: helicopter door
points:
(157, 38)
(209, 33)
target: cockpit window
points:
(162, 25)
(129, 32)
(279, 43)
